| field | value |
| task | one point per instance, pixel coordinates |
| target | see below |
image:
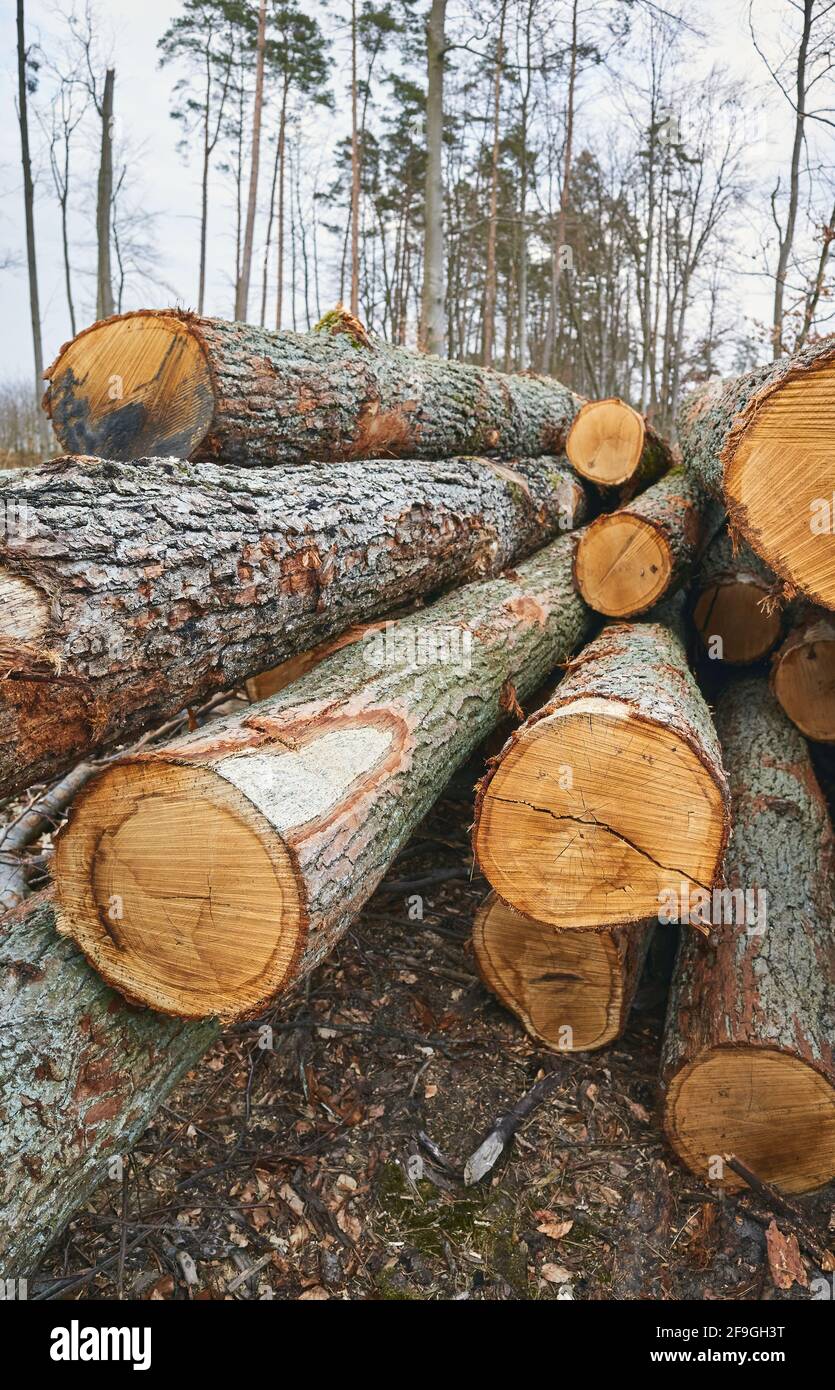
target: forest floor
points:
(329, 1163)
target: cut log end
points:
(623, 565)
(736, 622)
(804, 681)
(24, 611)
(774, 1111)
(780, 478)
(179, 892)
(606, 441)
(594, 783)
(132, 387)
(565, 987)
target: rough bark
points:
(153, 585)
(81, 1074)
(567, 997)
(803, 673)
(627, 561)
(330, 776)
(735, 596)
(265, 398)
(763, 985)
(758, 443)
(610, 793)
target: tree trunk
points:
(572, 991)
(562, 219)
(207, 389)
(143, 589)
(491, 274)
(626, 561)
(355, 170)
(81, 1074)
(287, 817)
(104, 202)
(433, 300)
(613, 446)
(762, 444)
(242, 288)
(736, 604)
(803, 674)
(787, 236)
(611, 793)
(28, 200)
(747, 1061)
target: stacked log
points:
(318, 483)
(803, 674)
(609, 794)
(571, 990)
(165, 382)
(81, 1075)
(630, 559)
(748, 1066)
(287, 817)
(615, 447)
(736, 605)
(762, 444)
(141, 588)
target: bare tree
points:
(490, 284)
(24, 86)
(433, 329)
(242, 290)
(67, 110)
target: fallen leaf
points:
(555, 1230)
(315, 1295)
(555, 1274)
(784, 1260)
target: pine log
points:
(572, 991)
(81, 1075)
(203, 877)
(615, 447)
(628, 560)
(747, 1062)
(764, 444)
(160, 382)
(139, 589)
(803, 674)
(737, 609)
(610, 793)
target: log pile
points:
(375, 546)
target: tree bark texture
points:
(81, 1075)
(333, 773)
(153, 585)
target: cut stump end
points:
(565, 987)
(774, 1111)
(135, 386)
(594, 813)
(623, 565)
(606, 442)
(178, 891)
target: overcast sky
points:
(170, 185)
